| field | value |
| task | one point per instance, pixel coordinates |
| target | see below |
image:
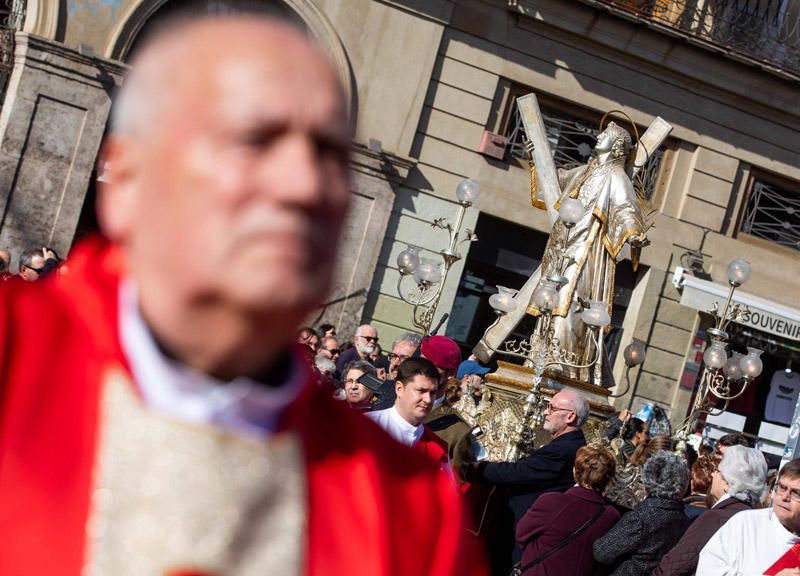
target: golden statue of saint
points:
(613, 215)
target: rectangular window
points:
(772, 212)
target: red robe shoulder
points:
(374, 507)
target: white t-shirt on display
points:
(783, 393)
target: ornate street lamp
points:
(634, 355)
(429, 275)
(724, 378)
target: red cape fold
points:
(374, 507)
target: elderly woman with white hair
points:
(739, 483)
(635, 545)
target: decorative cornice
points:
(38, 52)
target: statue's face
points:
(606, 139)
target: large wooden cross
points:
(547, 184)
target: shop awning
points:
(761, 314)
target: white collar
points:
(241, 405)
(721, 499)
(407, 432)
(396, 426)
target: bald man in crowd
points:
(174, 428)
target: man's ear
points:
(398, 387)
(117, 179)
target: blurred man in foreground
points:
(174, 428)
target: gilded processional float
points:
(595, 210)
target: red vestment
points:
(374, 507)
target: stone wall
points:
(51, 124)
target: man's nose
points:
(295, 169)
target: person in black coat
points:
(635, 545)
(548, 469)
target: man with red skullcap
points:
(443, 420)
(446, 356)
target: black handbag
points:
(519, 570)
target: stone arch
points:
(123, 36)
(43, 18)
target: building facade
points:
(432, 84)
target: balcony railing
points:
(762, 31)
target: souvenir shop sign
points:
(761, 314)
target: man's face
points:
(558, 415)
(313, 342)
(605, 140)
(787, 503)
(366, 339)
(415, 399)
(355, 392)
(401, 351)
(28, 274)
(330, 348)
(235, 197)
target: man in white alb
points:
(755, 542)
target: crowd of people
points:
(176, 428)
(32, 265)
(557, 520)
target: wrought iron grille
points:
(572, 142)
(773, 213)
(764, 30)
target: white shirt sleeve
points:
(719, 557)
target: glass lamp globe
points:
(634, 353)
(408, 260)
(738, 272)
(571, 211)
(732, 368)
(715, 356)
(546, 296)
(503, 302)
(468, 191)
(596, 314)
(751, 364)
(427, 271)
